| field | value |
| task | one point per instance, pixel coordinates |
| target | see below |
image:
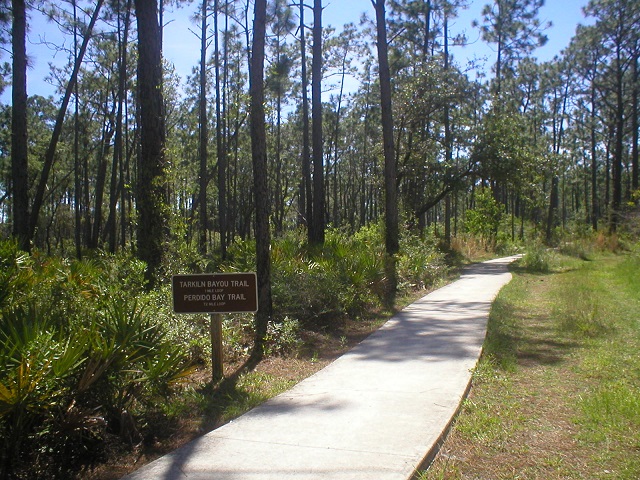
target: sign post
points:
(217, 359)
(215, 293)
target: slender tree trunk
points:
(204, 127)
(261, 189)
(221, 147)
(118, 150)
(57, 129)
(585, 190)
(553, 208)
(594, 161)
(317, 234)
(607, 169)
(427, 31)
(558, 134)
(448, 142)
(306, 198)
(278, 197)
(634, 124)
(10, 447)
(230, 212)
(125, 178)
(19, 145)
(365, 200)
(390, 176)
(101, 179)
(152, 232)
(616, 204)
(336, 144)
(76, 149)
(392, 244)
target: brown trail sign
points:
(215, 293)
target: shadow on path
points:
(376, 412)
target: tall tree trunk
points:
(101, 180)
(204, 126)
(278, 192)
(336, 144)
(278, 197)
(607, 167)
(553, 208)
(118, 149)
(427, 31)
(125, 178)
(316, 235)
(616, 203)
(76, 149)
(594, 162)
(365, 200)
(558, 134)
(57, 128)
(392, 244)
(261, 191)
(19, 150)
(230, 213)
(221, 144)
(152, 231)
(390, 176)
(306, 198)
(448, 143)
(634, 123)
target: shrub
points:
(420, 262)
(484, 220)
(536, 259)
(77, 357)
(342, 276)
(283, 337)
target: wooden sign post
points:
(217, 358)
(215, 293)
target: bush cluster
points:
(345, 276)
(88, 355)
(81, 358)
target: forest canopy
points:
(555, 141)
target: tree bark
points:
(559, 114)
(634, 123)
(306, 198)
(448, 141)
(261, 192)
(316, 236)
(221, 144)
(19, 149)
(76, 149)
(616, 204)
(336, 144)
(203, 128)
(390, 175)
(152, 231)
(101, 180)
(118, 149)
(594, 161)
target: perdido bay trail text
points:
(215, 293)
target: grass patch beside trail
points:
(557, 391)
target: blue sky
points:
(182, 47)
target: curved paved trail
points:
(376, 413)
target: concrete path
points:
(376, 413)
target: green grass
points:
(253, 389)
(557, 391)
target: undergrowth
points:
(90, 357)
